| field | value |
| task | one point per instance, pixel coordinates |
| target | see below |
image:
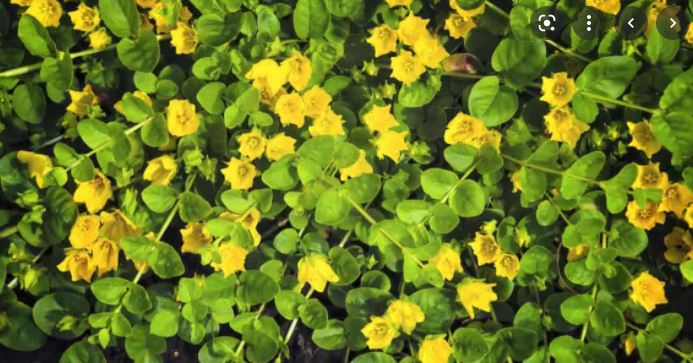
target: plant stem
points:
(567, 51)
(603, 99)
(87, 52)
(8, 231)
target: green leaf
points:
(608, 76)
(676, 96)
(565, 349)
(468, 199)
(159, 198)
(330, 337)
(687, 270)
(520, 342)
(437, 182)
(29, 102)
(373, 357)
(363, 302)
(313, 314)
(59, 215)
(136, 300)
(438, 306)
(660, 49)
(626, 239)
(267, 21)
(20, 333)
(345, 266)
(142, 346)
(520, 62)
(666, 326)
(443, 219)
(547, 213)
(311, 18)
(419, 93)
(81, 352)
(492, 103)
(607, 320)
(110, 290)
(469, 345)
(141, 54)
(62, 314)
(210, 97)
(58, 72)
(256, 288)
(650, 347)
(412, 211)
(585, 108)
(155, 132)
(216, 31)
(288, 302)
(332, 208)
(166, 262)
(576, 179)
(576, 309)
(460, 156)
(35, 37)
(120, 16)
(193, 208)
(135, 109)
(673, 131)
(597, 353)
(94, 133)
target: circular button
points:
(587, 24)
(632, 22)
(547, 22)
(672, 23)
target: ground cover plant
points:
(342, 180)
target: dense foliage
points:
(388, 180)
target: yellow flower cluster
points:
(608, 6)
(315, 270)
(676, 198)
(407, 67)
(82, 101)
(560, 122)
(487, 250)
(447, 261)
(95, 242)
(470, 130)
(400, 316)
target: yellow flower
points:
(315, 270)
(38, 164)
(279, 146)
(21, 2)
(162, 12)
(329, 123)
(379, 119)
(675, 198)
(507, 265)
(577, 252)
(379, 332)
(406, 68)
(643, 138)
(649, 177)
(393, 3)
(316, 101)
(467, 13)
(557, 90)
(689, 34)
(252, 144)
(688, 216)
(359, 167)
(411, 28)
(404, 315)
(240, 174)
(629, 344)
(459, 26)
(491, 137)
(82, 100)
(95, 193)
(436, 350)
(429, 50)
(648, 291)
(645, 218)
(117, 225)
(446, 261)
(463, 128)
(104, 255)
(608, 6)
(563, 126)
(291, 109)
(485, 248)
(181, 118)
(250, 221)
(79, 264)
(391, 144)
(383, 39)
(84, 231)
(147, 4)
(474, 293)
(194, 236)
(267, 70)
(99, 39)
(515, 179)
(160, 170)
(47, 12)
(679, 245)
(298, 70)
(184, 38)
(232, 259)
(85, 18)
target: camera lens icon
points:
(547, 22)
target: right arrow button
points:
(672, 22)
